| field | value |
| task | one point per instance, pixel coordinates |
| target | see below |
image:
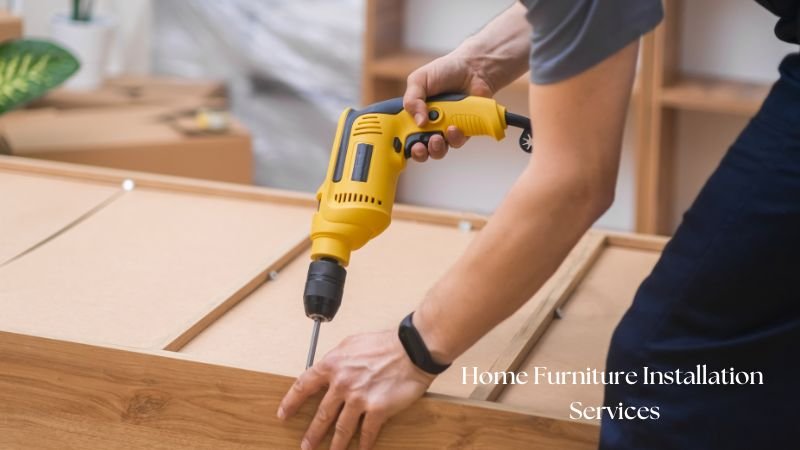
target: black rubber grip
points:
(361, 166)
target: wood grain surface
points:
(580, 338)
(64, 395)
(548, 301)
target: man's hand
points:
(481, 66)
(367, 375)
(450, 73)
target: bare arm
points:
(567, 185)
(569, 182)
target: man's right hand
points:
(481, 65)
(449, 73)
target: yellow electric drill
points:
(355, 200)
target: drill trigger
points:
(422, 137)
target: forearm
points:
(530, 233)
(567, 185)
(500, 50)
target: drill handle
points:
(473, 116)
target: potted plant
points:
(31, 67)
(28, 69)
(89, 37)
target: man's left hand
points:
(367, 375)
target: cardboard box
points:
(131, 90)
(10, 26)
(148, 139)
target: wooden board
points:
(57, 395)
(34, 208)
(580, 338)
(146, 267)
(269, 330)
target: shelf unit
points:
(661, 90)
(386, 62)
(672, 91)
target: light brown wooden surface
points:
(547, 303)
(34, 208)
(10, 26)
(580, 339)
(715, 95)
(217, 189)
(386, 280)
(146, 267)
(57, 395)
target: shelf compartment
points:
(397, 66)
(717, 95)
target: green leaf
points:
(31, 67)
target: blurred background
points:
(250, 91)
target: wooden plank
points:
(383, 34)
(34, 208)
(715, 95)
(580, 339)
(222, 189)
(385, 281)
(636, 241)
(551, 297)
(654, 176)
(189, 331)
(144, 268)
(10, 26)
(56, 395)
(643, 122)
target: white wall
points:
(131, 51)
(730, 38)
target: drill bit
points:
(313, 348)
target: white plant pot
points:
(90, 42)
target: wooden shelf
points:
(397, 66)
(714, 95)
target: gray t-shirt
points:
(570, 36)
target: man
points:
(725, 292)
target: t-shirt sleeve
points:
(570, 36)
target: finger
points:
(414, 97)
(369, 430)
(306, 385)
(455, 137)
(419, 152)
(326, 414)
(437, 147)
(346, 425)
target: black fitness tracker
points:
(416, 349)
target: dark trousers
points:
(725, 293)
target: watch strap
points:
(416, 349)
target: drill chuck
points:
(324, 287)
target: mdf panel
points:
(146, 267)
(34, 208)
(580, 339)
(386, 280)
